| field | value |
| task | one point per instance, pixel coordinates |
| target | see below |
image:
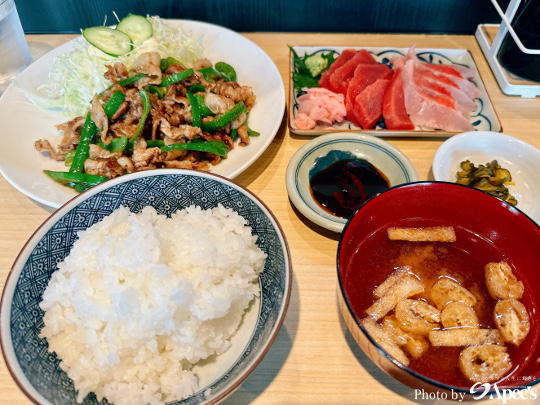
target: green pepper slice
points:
(147, 105)
(118, 144)
(226, 71)
(83, 148)
(208, 73)
(252, 132)
(205, 111)
(160, 91)
(157, 143)
(79, 181)
(175, 78)
(216, 147)
(165, 63)
(68, 157)
(131, 79)
(197, 88)
(224, 119)
(195, 110)
(114, 103)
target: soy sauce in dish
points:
(345, 185)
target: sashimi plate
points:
(22, 123)
(483, 118)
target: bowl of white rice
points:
(164, 286)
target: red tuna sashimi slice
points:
(339, 80)
(394, 112)
(368, 105)
(425, 111)
(364, 75)
(345, 56)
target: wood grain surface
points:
(314, 360)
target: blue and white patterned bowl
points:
(321, 152)
(36, 370)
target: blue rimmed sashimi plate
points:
(484, 118)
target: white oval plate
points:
(22, 123)
(384, 156)
(520, 158)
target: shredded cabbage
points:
(77, 75)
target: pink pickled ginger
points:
(319, 106)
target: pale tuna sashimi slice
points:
(347, 54)
(436, 92)
(394, 112)
(449, 71)
(319, 106)
(339, 80)
(468, 87)
(464, 102)
(464, 71)
(364, 75)
(425, 111)
(368, 105)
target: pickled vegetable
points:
(491, 178)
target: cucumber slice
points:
(137, 27)
(110, 41)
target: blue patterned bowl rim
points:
(6, 342)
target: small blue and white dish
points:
(37, 371)
(324, 151)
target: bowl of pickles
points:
(498, 164)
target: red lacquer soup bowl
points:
(487, 230)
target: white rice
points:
(141, 298)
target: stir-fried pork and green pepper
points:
(159, 114)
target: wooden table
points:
(314, 359)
